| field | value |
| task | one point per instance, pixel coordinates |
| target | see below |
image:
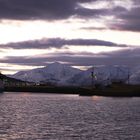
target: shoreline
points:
(118, 91)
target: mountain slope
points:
(5, 80)
(104, 75)
(135, 78)
(55, 73)
(60, 74)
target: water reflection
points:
(68, 117)
(96, 98)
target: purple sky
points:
(34, 33)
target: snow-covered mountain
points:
(135, 78)
(104, 75)
(61, 74)
(54, 73)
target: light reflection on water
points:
(25, 116)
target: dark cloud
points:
(125, 57)
(124, 19)
(62, 9)
(101, 12)
(128, 21)
(119, 9)
(89, 13)
(128, 53)
(50, 9)
(38, 9)
(59, 43)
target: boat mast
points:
(92, 76)
(128, 76)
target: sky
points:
(79, 33)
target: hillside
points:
(64, 75)
(103, 75)
(8, 81)
(55, 73)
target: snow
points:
(55, 73)
(104, 75)
(135, 78)
(61, 74)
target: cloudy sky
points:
(80, 33)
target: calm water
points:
(26, 116)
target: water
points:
(25, 116)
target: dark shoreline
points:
(43, 89)
(118, 91)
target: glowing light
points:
(96, 98)
(93, 49)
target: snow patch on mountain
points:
(135, 78)
(61, 74)
(54, 73)
(103, 75)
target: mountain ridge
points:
(62, 74)
(52, 73)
